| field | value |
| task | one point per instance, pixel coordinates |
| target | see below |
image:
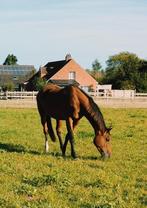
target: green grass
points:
(31, 178)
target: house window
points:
(15, 78)
(72, 75)
(85, 88)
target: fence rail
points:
(28, 100)
(115, 95)
(18, 95)
(140, 94)
(103, 95)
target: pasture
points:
(31, 178)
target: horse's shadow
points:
(9, 147)
(89, 157)
(69, 157)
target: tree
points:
(6, 82)
(96, 72)
(8, 86)
(10, 60)
(39, 83)
(96, 66)
(123, 71)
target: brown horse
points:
(71, 104)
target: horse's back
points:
(55, 101)
(50, 88)
(61, 103)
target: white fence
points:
(28, 100)
(18, 95)
(112, 94)
(138, 95)
(118, 94)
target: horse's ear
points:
(100, 133)
(109, 129)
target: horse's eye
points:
(108, 138)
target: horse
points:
(70, 104)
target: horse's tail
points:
(50, 129)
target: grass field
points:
(31, 178)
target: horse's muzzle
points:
(105, 155)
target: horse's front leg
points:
(58, 130)
(65, 144)
(67, 138)
(70, 135)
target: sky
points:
(40, 31)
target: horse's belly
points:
(61, 113)
(60, 116)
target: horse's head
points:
(102, 142)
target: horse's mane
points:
(94, 111)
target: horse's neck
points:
(92, 112)
(98, 124)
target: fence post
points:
(33, 95)
(6, 95)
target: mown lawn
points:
(31, 178)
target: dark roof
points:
(64, 82)
(16, 70)
(29, 84)
(53, 67)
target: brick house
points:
(67, 72)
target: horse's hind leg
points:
(58, 130)
(45, 130)
(45, 123)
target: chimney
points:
(42, 71)
(68, 57)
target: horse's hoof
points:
(74, 156)
(63, 155)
